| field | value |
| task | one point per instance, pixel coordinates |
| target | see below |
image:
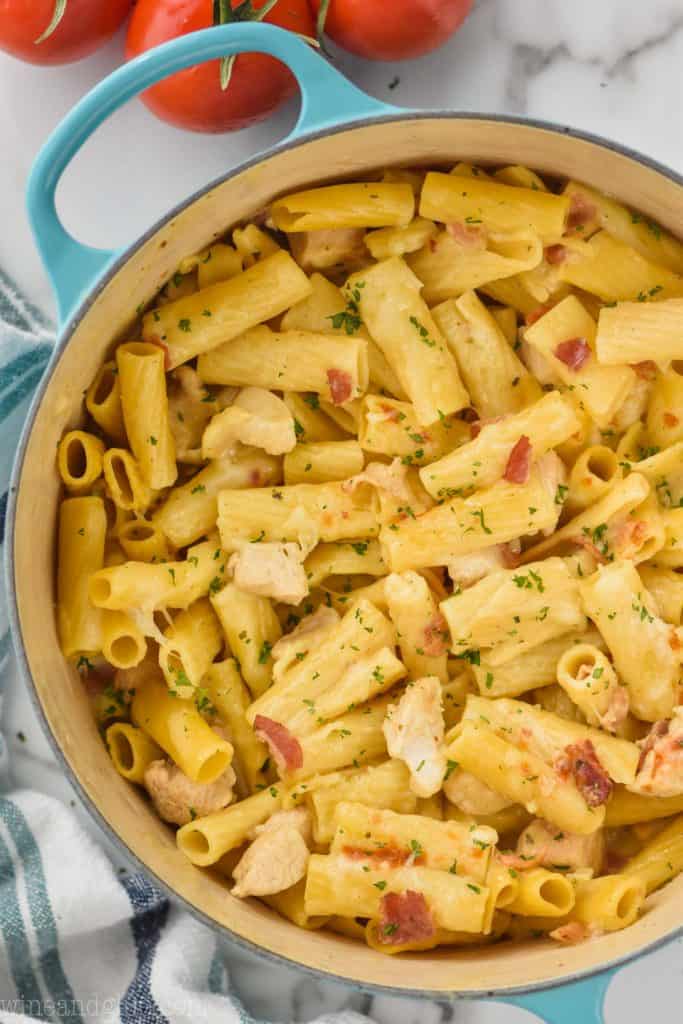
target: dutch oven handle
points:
(576, 1002)
(327, 99)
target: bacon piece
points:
(518, 862)
(617, 708)
(468, 415)
(435, 636)
(404, 917)
(574, 353)
(572, 932)
(537, 313)
(285, 749)
(519, 462)
(582, 541)
(390, 413)
(580, 210)
(670, 420)
(384, 856)
(94, 683)
(660, 770)
(630, 536)
(658, 730)
(154, 340)
(470, 237)
(477, 425)
(555, 254)
(615, 862)
(340, 385)
(581, 761)
(647, 370)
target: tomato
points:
(392, 29)
(194, 98)
(84, 26)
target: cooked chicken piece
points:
(190, 407)
(298, 818)
(660, 771)
(178, 799)
(400, 491)
(414, 731)
(257, 417)
(537, 364)
(634, 406)
(128, 680)
(469, 569)
(472, 796)
(330, 249)
(551, 847)
(272, 570)
(393, 479)
(278, 857)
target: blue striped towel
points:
(82, 941)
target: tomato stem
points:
(323, 11)
(57, 15)
(224, 13)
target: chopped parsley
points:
(423, 332)
(473, 656)
(479, 514)
(346, 319)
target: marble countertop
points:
(608, 66)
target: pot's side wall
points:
(356, 151)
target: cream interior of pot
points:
(422, 141)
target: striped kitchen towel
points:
(82, 941)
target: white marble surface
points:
(608, 66)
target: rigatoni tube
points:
(179, 729)
(145, 411)
(82, 529)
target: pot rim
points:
(64, 336)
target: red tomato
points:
(193, 98)
(392, 29)
(84, 26)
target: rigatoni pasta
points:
(370, 549)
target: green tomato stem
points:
(57, 15)
(243, 12)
